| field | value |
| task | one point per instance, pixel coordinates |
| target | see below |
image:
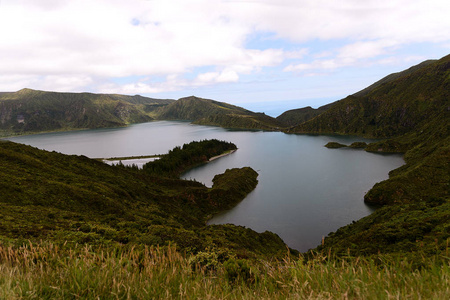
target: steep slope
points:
(298, 116)
(28, 110)
(391, 108)
(210, 112)
(58, 198)
(392, 77)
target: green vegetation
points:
(189, 155)
(335, 145)
(358, 145)
(411, 108)
(396, 106)
(355, 145)
(55, 197)
(30, 111)
(51, 271)
(298, 116)
(210, 112)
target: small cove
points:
(305, 190)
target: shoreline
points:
(130, 157)
(221, 155)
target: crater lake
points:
(305, 190)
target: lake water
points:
(305, 190)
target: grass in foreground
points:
(49, 271)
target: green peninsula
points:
(61, 198)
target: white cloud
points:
(404, 20)
(71, 45)
(226, 75)
(355, 54)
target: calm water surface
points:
(305, 190)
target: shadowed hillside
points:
(29, 111)
(56, 197)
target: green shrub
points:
(238, 271)
(207, 261)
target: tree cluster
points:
(181, 158)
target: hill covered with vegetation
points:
(209, 112)
(55, 197)
(410, 111)
(299, 116)
(396, 105)
(30, 111)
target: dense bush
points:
(181, 158)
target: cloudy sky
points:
(265, 55)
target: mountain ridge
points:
(210, 112)
(391, 108)
(31, 111)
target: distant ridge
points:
(298, 116)
(28, 111)
(31, 111)
(211, 112)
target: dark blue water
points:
(305, 190)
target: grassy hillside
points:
(210, 112)
(298, 116)
(392, 77)
(295, 117)
(56, 197)
(28, 111)
(391, 108)
(410, 109)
